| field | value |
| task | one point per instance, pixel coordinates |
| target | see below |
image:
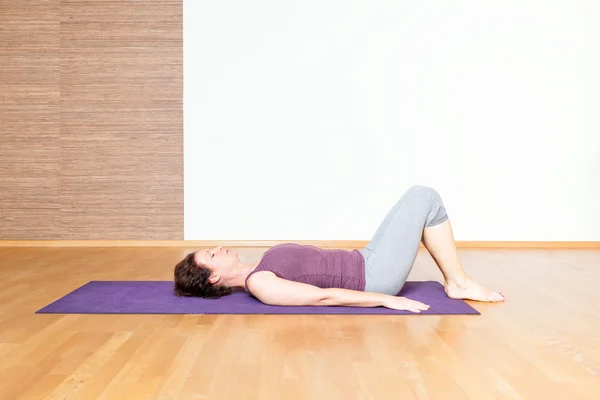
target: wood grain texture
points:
(121, 119)
(540, 344)
(91, 109)
(29, 119)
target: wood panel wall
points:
(29, 119)
(91, 116)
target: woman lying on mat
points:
(300, 275)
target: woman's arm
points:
(272, 290)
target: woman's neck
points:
(241, 273)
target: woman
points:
(300, 275)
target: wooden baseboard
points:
(527, 245)
(353, 244)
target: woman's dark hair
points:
(191, 279)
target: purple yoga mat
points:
(156, 297)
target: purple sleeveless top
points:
(324, 268)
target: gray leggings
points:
(391, 253)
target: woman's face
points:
(220, 261)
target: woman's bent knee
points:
(424, 191)
(428, 196)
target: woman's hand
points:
(402, 303)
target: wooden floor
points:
(543, 343)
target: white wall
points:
(307, 119)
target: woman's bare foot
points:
(468, 289)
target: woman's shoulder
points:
(256, 278)
(258, 275)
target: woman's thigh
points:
(391, 253)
